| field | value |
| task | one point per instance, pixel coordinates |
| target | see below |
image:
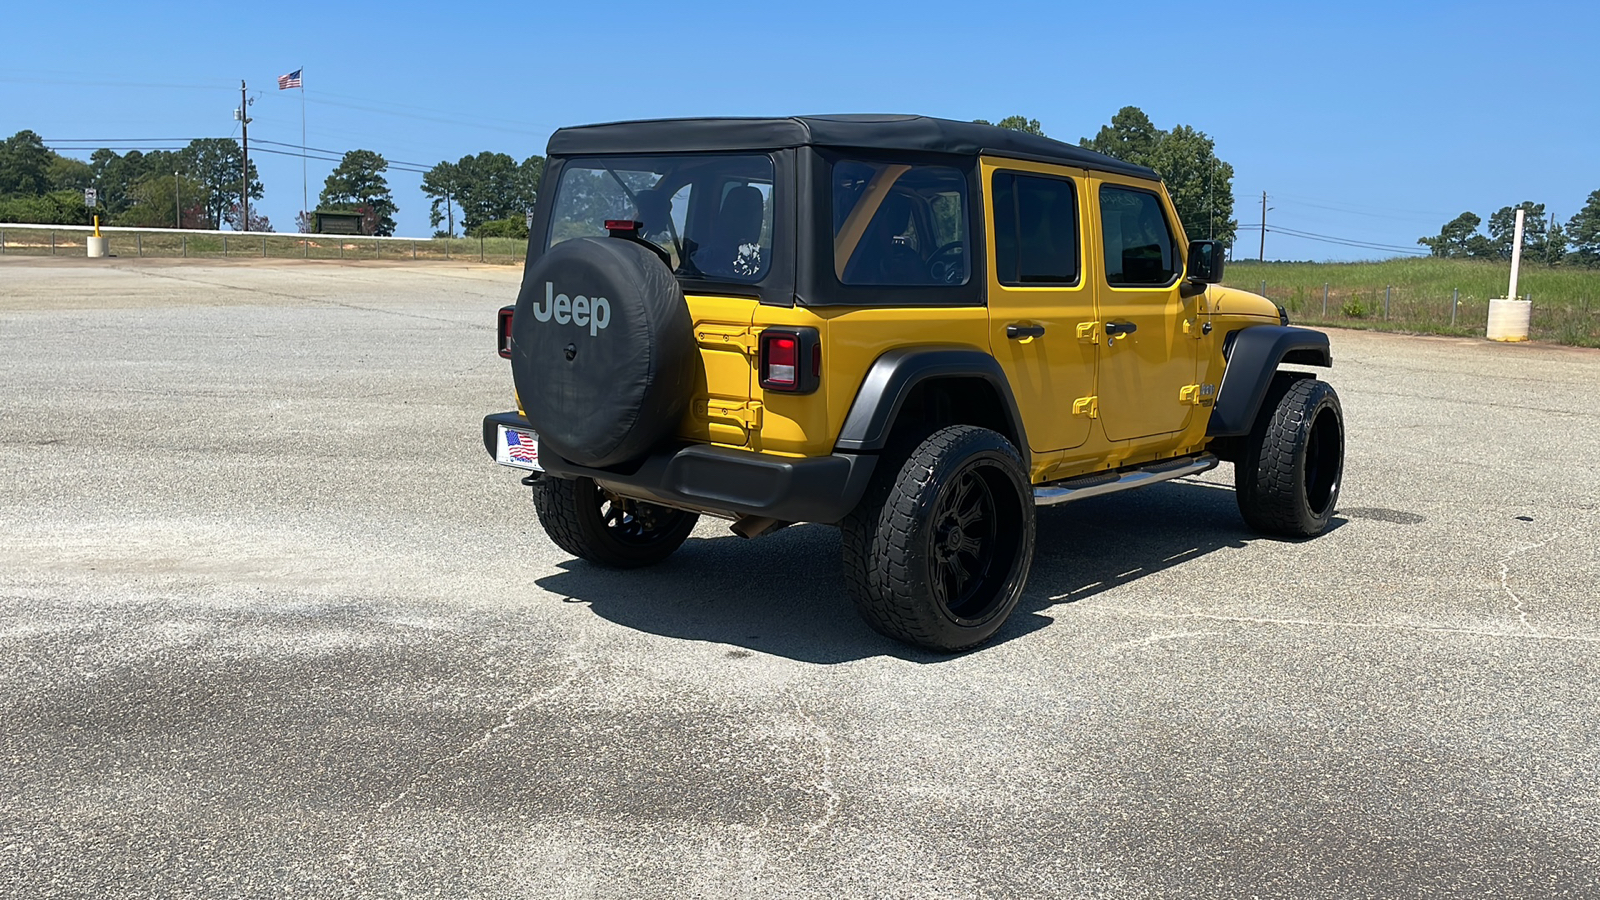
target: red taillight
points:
(782, 357)
(623, 227)
(790, 359)
(505, 330)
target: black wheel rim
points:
(635, 523)
(973, 540)
(1324, 460)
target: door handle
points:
(1119, 328)
(1024, 332)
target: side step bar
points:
(1121, 479)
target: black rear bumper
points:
(718, 479)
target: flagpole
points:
(304, 192)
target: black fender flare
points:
(896, 373)
(1254, 355)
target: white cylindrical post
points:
(1516, 256)
(1509, 318)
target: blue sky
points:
(1371, 121)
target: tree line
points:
(1544, 239)
(1201, 185)
(196, 187)
(200, 186)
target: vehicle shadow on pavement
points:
(784, 594)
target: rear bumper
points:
(718, 479)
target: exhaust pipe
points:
(756, 526)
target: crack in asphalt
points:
(824, 782)
(1518, 606)
(509, 720)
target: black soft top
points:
(920, 134)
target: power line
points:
(392, 162)
(436, 119)
(139, 144)
(521, 123)
(294, 151)
(1331, 239)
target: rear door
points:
(1039, 297)
(1146, 358)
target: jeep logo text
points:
(579, 310)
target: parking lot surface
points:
(272, 624)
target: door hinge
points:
(746, 414)
(718, 336)
(1089, 331)
(1086, 406)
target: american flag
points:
(291, 80)
(522, 447)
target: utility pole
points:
(177, 200)
(244, 194)
(1263, 227)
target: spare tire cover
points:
(602, 350)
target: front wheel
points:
(594, 524)
(1289, 474)
(938, 551)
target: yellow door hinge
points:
(1086, 406)
(1089, 331)
(718, 336)
(746, 414)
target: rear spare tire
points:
(602, 350)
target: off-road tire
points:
(584, 521)
(898, 541)
(1288, 478)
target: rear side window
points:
(1141, 250)
(899, 225)
(711, 214)
(1035, 230)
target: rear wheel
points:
(593, 524)
(938, 552)
(1292, 465)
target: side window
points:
(1140, 248)
(1035, 229)
(899, 225)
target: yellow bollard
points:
(97, 244)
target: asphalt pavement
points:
(273, 624)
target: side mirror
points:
(1205, 261)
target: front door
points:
(1146, 357)
(1038, 297)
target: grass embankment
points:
(1566, 301)
(173, 244)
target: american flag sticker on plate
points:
(519, 448)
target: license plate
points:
(519, 449)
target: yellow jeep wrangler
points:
(915, 329)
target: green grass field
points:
(170, 244)
(1566, 301)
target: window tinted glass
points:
(1035, 230)
(1140, 249)
(711, 214)
(897, 224)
